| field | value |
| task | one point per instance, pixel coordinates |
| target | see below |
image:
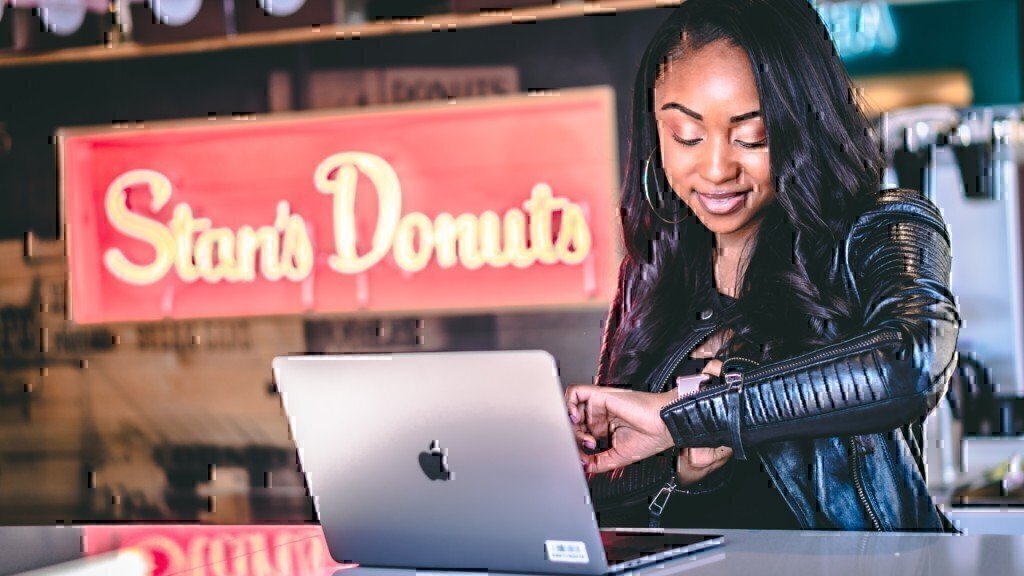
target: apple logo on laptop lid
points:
(435, 462)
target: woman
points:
(760, 252)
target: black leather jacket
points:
(839, 429)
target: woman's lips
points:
(721, 204)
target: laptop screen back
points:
(461, 460)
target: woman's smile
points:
(722, 203)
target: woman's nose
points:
(719, 164)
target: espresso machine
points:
(970, 163)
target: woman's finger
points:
(589, 402)
(571, 405)
(702, 457)
(576, 400)
(596, 416)
(585, 440)
(577, 394)
(713, 368)
(583, 460)
(604, 461)
(574, 413)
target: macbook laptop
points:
(453, 460)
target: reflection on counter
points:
(200, 550)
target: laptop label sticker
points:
(566, 551)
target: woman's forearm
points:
(857, 387)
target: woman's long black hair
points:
(826, 166)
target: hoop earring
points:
(647, 194)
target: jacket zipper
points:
(660, 500)
(871, 342)
(687, 396)
(859, 486)
(680, 354)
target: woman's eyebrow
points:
(699, 117)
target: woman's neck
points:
(727, 260)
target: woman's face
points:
(713, 140)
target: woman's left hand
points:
(630, 420)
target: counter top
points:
(845, 553)
(230, 550)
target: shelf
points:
(433, 23)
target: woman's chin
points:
(723, 224)
(741, 222)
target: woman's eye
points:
(759, 144)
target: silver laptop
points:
(453, 460)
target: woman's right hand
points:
(630, 421)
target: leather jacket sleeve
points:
(897, 262)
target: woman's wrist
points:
(668, 397)
(663, 399)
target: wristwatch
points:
(686, 385)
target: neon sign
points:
(197, 251)
(215, 254)
(484, 204)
